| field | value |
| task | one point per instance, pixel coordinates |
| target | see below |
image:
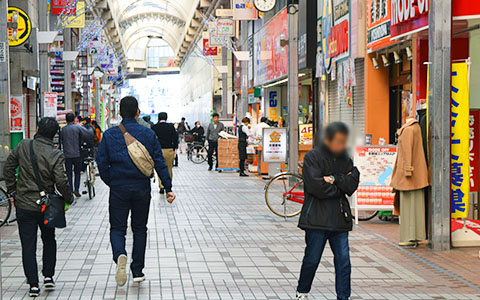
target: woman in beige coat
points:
(410, 177)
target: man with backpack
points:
(130, 190)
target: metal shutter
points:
(359, 99)
(333, 102)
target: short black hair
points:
(147, 118)
(215, 115)
(163, 116)
(264, 120)
(128, 107)
(183, 119)
(48, 127)
(88, 120)
(70, 117)
(336, 127)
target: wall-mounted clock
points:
(264, 5)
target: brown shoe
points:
(77, 194)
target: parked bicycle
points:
(197, 152)
(90, 176)
(285, 195)
(6, 208)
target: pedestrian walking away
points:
(130, 190)
(72, 137)
(243, 135)
(29, 212)
(329, 176)
(213, 132)
(182, 128)
(168, 138)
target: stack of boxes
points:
(228, 154)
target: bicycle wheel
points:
(199, 154)
(284, 195)
(5, 207)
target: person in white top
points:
(259, 127)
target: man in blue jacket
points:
(129, 189)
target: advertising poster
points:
(306, 134)
(78, 20)
(270, 58)
(376, 168)
(208, 50)
(16, 114)
(474, 148)
(378, 25)
(274, 145)
(59, 5)
(50, 105)
(460, 162)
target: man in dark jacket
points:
(50, 163)
(213, 134)
(168, 138)
(72, 137)
(129, 188)
(329, 176)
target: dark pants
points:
(123, 201)
(316, 240)
(212, 147)
(76, 165)
(242, 154)
(28, 223)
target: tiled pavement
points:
(219, 241)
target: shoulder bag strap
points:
(33, 160)
(122, 128)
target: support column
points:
(67, 46)
(440, 37)
(4, 86)
(242, 105)
(44, 25)
(224, 84)
(292, 88)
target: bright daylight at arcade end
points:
(240, 149)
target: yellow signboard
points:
(460, 163)
(19, 26)
(77, 21)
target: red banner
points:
(207, 50)
(474, 149)
(59, 5)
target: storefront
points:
(341, 66)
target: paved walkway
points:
(219, 241)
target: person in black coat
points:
(329, 177)
(243, 134)
(198, 132)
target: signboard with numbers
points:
(375, 164)
(274, 145)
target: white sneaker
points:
(138, 279)
(302, 296)
(121, 274)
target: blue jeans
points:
(123, 201)
(316, 240)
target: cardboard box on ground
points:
(228, 154)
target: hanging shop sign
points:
(274, 144)
(307, 35)
(460, 164)
(226, 27)
(271, 58)
(16, 114)
(209, 50)
(19, 26)
(50, 105)
(408, 17)
(78, 20)
(474, 149)
(244, 10)
(376, 168)
(273, 104)
(57, 73)
(465, 9)
(378, 24)
(58, 7)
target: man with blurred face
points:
(329, 176)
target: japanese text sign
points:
(16, 114)
(274, 145)
(460, 164)
(474, 148)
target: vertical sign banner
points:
(378, 25)
(16, 114)
(50, 105)
(474, 149)
(460, 163)
(78, 20)
(274, 145)
(273, 103)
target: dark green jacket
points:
(51, 165)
